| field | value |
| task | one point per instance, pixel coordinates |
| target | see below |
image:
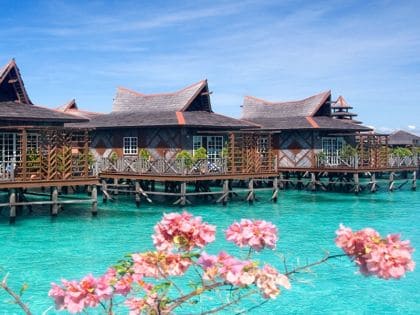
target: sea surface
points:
(38, 249)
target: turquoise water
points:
(39, 249)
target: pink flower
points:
(159, 264)
(269, 280)
(182, 231)
(257, 234)
(386, 258)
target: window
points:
(214, 147)
(262, 144)
(212, 144)
(9, 147)
(331, 147)
(197, 143)
(130, 146)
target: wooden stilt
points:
(94, 196)
(115, 191)
(12, 201)
(414, 182)
(105, 195)
(356, 183)
(251, 193)
(225, 192)
(183, 192)
(313, 182)
(138, 197)
(281, 181)
(54, 199)
(373, 182)
(275, 189)
(391, 181)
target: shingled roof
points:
(403, 138)
(258, 108)
(16, 112)
(313, 112)
(188, 107)
(11, 84)
(72, 109)
(15, 105)
(128, 100)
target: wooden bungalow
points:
(317, 133)
(157, 127)
(36, 150)
(403, 138)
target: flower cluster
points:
(243, 273)
(159, 264)
(150, 304)
(386, 258)
(257, 234)
(75, 296)
(182, 231)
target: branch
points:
(326, 257)
(234, 301)
(16, 297)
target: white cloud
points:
(411, 127)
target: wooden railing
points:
(392, 162)
(162, 166)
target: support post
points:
(356, 183)
(251, 193)
(54, 199)
(104, 191)
(275, 189)
(115, 190)
(281, 182)
(183, 192)
(137, 191)
(391, 181)
(373, 181)
(414, 183)
(313, 182)
(12, 201)
(225, 192)
(94, 196)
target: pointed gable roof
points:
(191, 98)
(258, 108)
(11, 84)
(341, 103)
(402, 137)
(72, 108)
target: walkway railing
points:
(162, 166)
(355, 162)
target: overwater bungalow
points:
(317, 133)
(36, 150)
(148, 131)
(401, 138)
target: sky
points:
(367, 51)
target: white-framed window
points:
(214, 147)
(130, 146)
(9, 147)
(331, 147)
(197, 143)
(212, 144)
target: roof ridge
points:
(287, 102)
(201, 82)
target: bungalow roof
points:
(15, 111)
(301, 122)
(402, 137)
(128, 100)
(258, 108)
